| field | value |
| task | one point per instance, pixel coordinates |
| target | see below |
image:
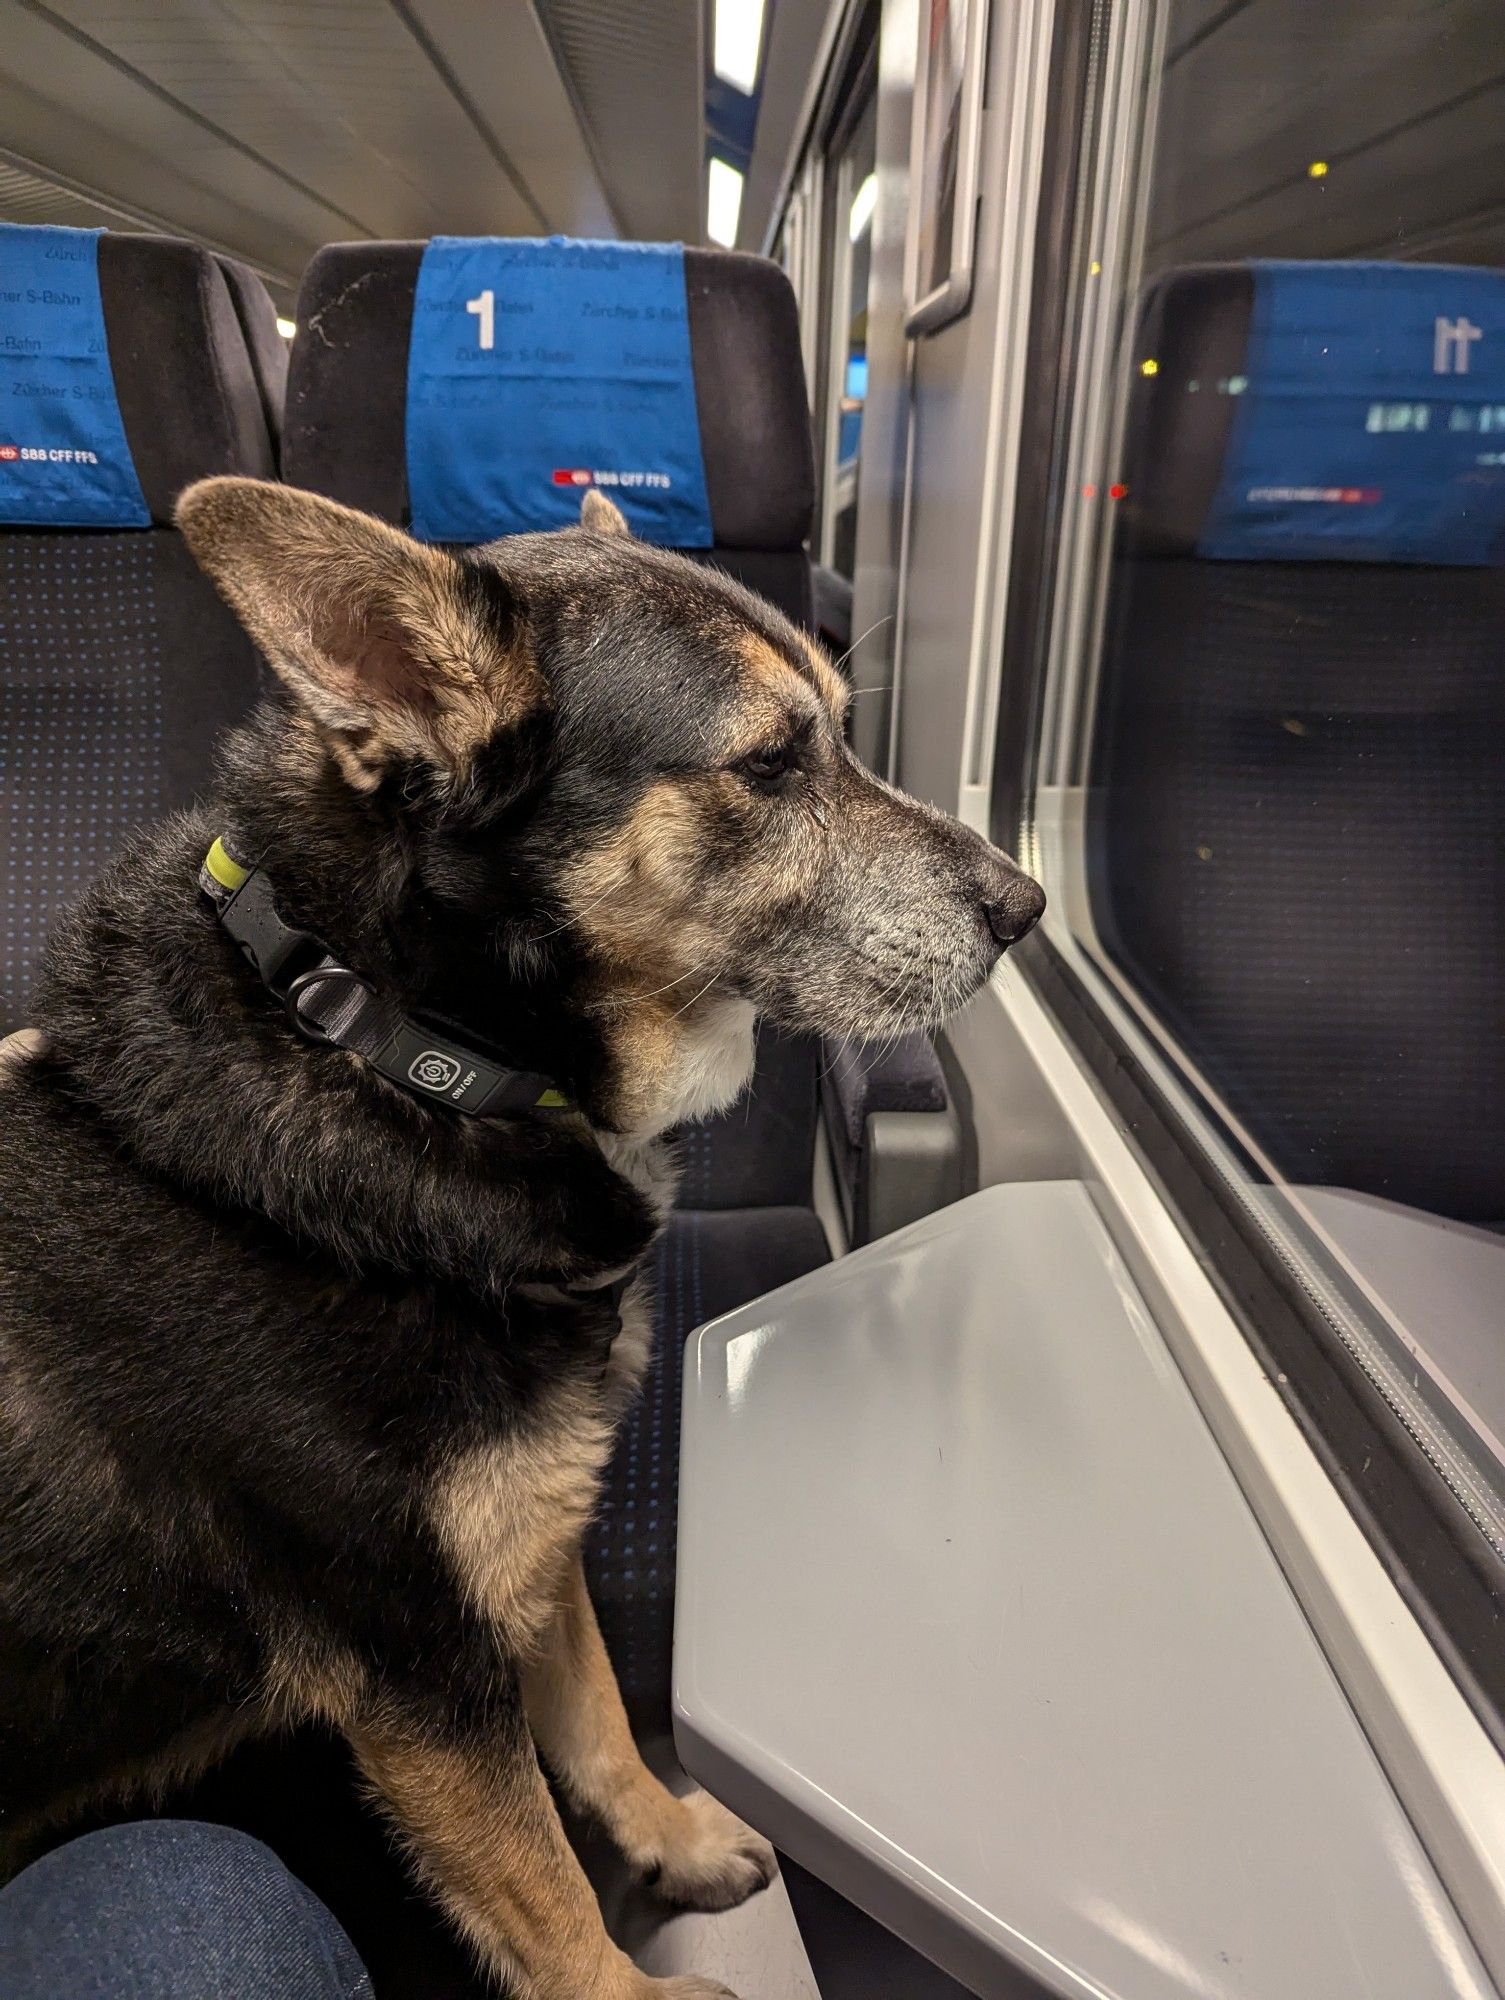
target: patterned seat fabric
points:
(119, 665)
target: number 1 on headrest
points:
(484, 307)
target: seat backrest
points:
(119, 665)
(348, 436)
(266, 349)
(1297, 817)
(348, 398)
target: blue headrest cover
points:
(537, 369)
(1369, 424)
(64, 460)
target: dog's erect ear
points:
(397, 648)
(602, 516)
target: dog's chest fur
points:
(710, 1067)
(716, 1069)
(508, 1513)
(716, 1060)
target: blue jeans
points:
(170, 1910)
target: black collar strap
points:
(327, 1002)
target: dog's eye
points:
(770, 766)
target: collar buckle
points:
(268, 945)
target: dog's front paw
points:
(708, 1860)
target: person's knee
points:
(159, 1909)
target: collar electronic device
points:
(327, 1002)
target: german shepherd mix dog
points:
(307, 1379)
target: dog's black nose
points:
(1016, 911)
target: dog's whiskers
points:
(538, 937)
(679, 979)
(887, 619)
(696, 996)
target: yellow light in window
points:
(1096, 269)
(286, 327)
(1149, 367)
(1318, 170)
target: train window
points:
(852, 185)
(798, 252)
(1253, 732)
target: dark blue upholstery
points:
(81, 721)
(858, 1081)
(269, 353)
(903, 1076)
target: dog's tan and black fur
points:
(305, 1387)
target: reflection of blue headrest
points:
(64, 460)
(538, 369)
(1342, 412)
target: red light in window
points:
(1117, 492)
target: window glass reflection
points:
(1291, 737)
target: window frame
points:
(859, 91)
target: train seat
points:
(266, 349)
(347, 436)
(119, 665)
(348, 403)
(746, 1222)
(895, 1137)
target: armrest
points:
(895, 1138)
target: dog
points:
(308, 1375)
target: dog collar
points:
(326, 1002)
